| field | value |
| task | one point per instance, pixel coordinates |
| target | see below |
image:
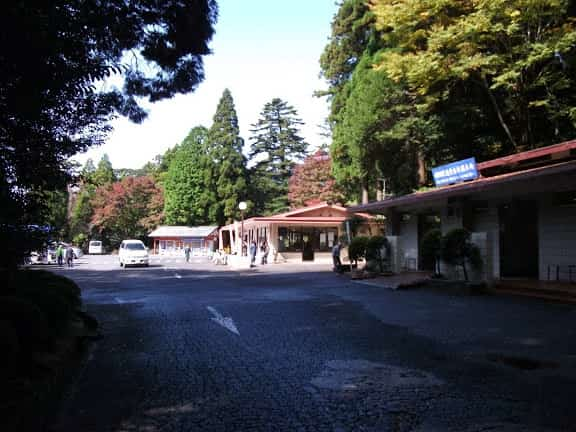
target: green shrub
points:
(457, 249)
(374, 247)
(57, 297)
(357, 249)
(432, 248)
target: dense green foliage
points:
(357, 249)
(103, 174)
(405, 77)
(431, 249)
(519, 53)
(276, 146)
(377, 250)
(185, 181)
(226, 175)
(54, 54)
(458, 250)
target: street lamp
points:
(242, 207)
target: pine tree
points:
(88, 171)
(104, 173)
(276, 147)
(184, 181)
(225, 167)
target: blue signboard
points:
(455, 172)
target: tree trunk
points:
(421, 168)
(364, 193)
(498, 112)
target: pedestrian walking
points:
(253, 254)
(60, 254)
(264, 252)
(187, 253)
(336, 256)
(69, 254)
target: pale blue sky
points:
(262, 49)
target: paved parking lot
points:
(194, 346)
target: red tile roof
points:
(480, 185)
(526, 156)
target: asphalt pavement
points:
(198, 347)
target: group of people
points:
(264, 250)
(65, 254)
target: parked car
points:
(133, 252)
(45, 256)
(77, 252)
(95, 247)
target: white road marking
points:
(226, 322)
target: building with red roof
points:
(305, 234)
(520, 209)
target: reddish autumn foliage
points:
(312, 182)
(129, 208)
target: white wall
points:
(408, 243)
(486, 221)
(557, 238)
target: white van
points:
(132, 252)
(95, 247)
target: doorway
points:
(426, 223)
(519, 239)
(308, 237)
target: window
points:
(292, 239)
(135, 246)
(289, 239)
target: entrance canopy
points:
(542, 170)
(316, 227)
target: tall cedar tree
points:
(353, 38)
(352, 34)
(225, 167)
(185, 181)
(276, 147)
(51, 104)
(312, 182)
(130, 208)
(379, 134)
(104, 173)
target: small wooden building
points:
(305, 234)
(172, 240)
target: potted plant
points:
(377, 249)
(357, 251)
(458, 250)
(432, 249)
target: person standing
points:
(60, 254)
(187, 253)
(336, 256)
(264, 251)
(253, 254)
(69, 256)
